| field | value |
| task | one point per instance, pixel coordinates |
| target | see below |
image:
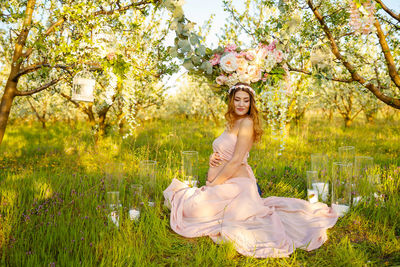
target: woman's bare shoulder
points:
(246, 122)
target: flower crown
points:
(242, 86)
(245, 66)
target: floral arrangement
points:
(362, 16)
(247, 66)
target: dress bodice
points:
(225, 146)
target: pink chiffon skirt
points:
(258, 227)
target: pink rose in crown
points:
(271, 47)
(229, 62)
(241, 54)
(251, 55)
(111, 56)
(215, 59)
(242, 65)
(264, 78)
(230, 48)
(278, 56)
(221, 80)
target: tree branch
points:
(393, 102)
(310, 73)
(388, 56)
(39, 65)
(389, 11)
(41, 88)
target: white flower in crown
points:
(229, 62)
(232, 79)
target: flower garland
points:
(247, 66)
(263, 67)
(362, 16)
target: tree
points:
(49, 41)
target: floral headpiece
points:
(242, 86)
(245, 66)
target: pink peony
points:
(221, 80)
(244, 78)
(215, 59)
(278, 56)
(230, 48)
(254, 73)
(242, 65)
(271, 46)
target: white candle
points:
(312, 195)
(134, 214)
(114, 218)
(190, 183)
(322, 189)
(356, 200)
(341, 210)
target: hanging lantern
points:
(83, 86)
(320, 54)
(104, 40)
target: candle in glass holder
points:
(190, 183)
(340, 209)
(322, 189)
(134, 214)
(312, 195)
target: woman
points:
(229, 207)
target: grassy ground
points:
(53, 184)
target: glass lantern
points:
(83, 86)
(341, 187)
(190, 160)
(105, 41)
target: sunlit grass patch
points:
(53, 195)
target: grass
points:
(53, 184)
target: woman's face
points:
(241, 102)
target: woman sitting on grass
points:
(229, 207)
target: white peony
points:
(229, 63)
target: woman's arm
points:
(243, 145)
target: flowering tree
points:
(49, 41)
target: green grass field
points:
(53, 185)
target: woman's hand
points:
(215, 160)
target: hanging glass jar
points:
(83, 86)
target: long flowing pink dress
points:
(235, 212)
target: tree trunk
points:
(5, 106)
(347, 122)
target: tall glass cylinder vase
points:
(347, 154)
(147, 173)
(189, 167)
(135, 200)
(361, 184)
(113, 206)
(319, 163)
(341, 187)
